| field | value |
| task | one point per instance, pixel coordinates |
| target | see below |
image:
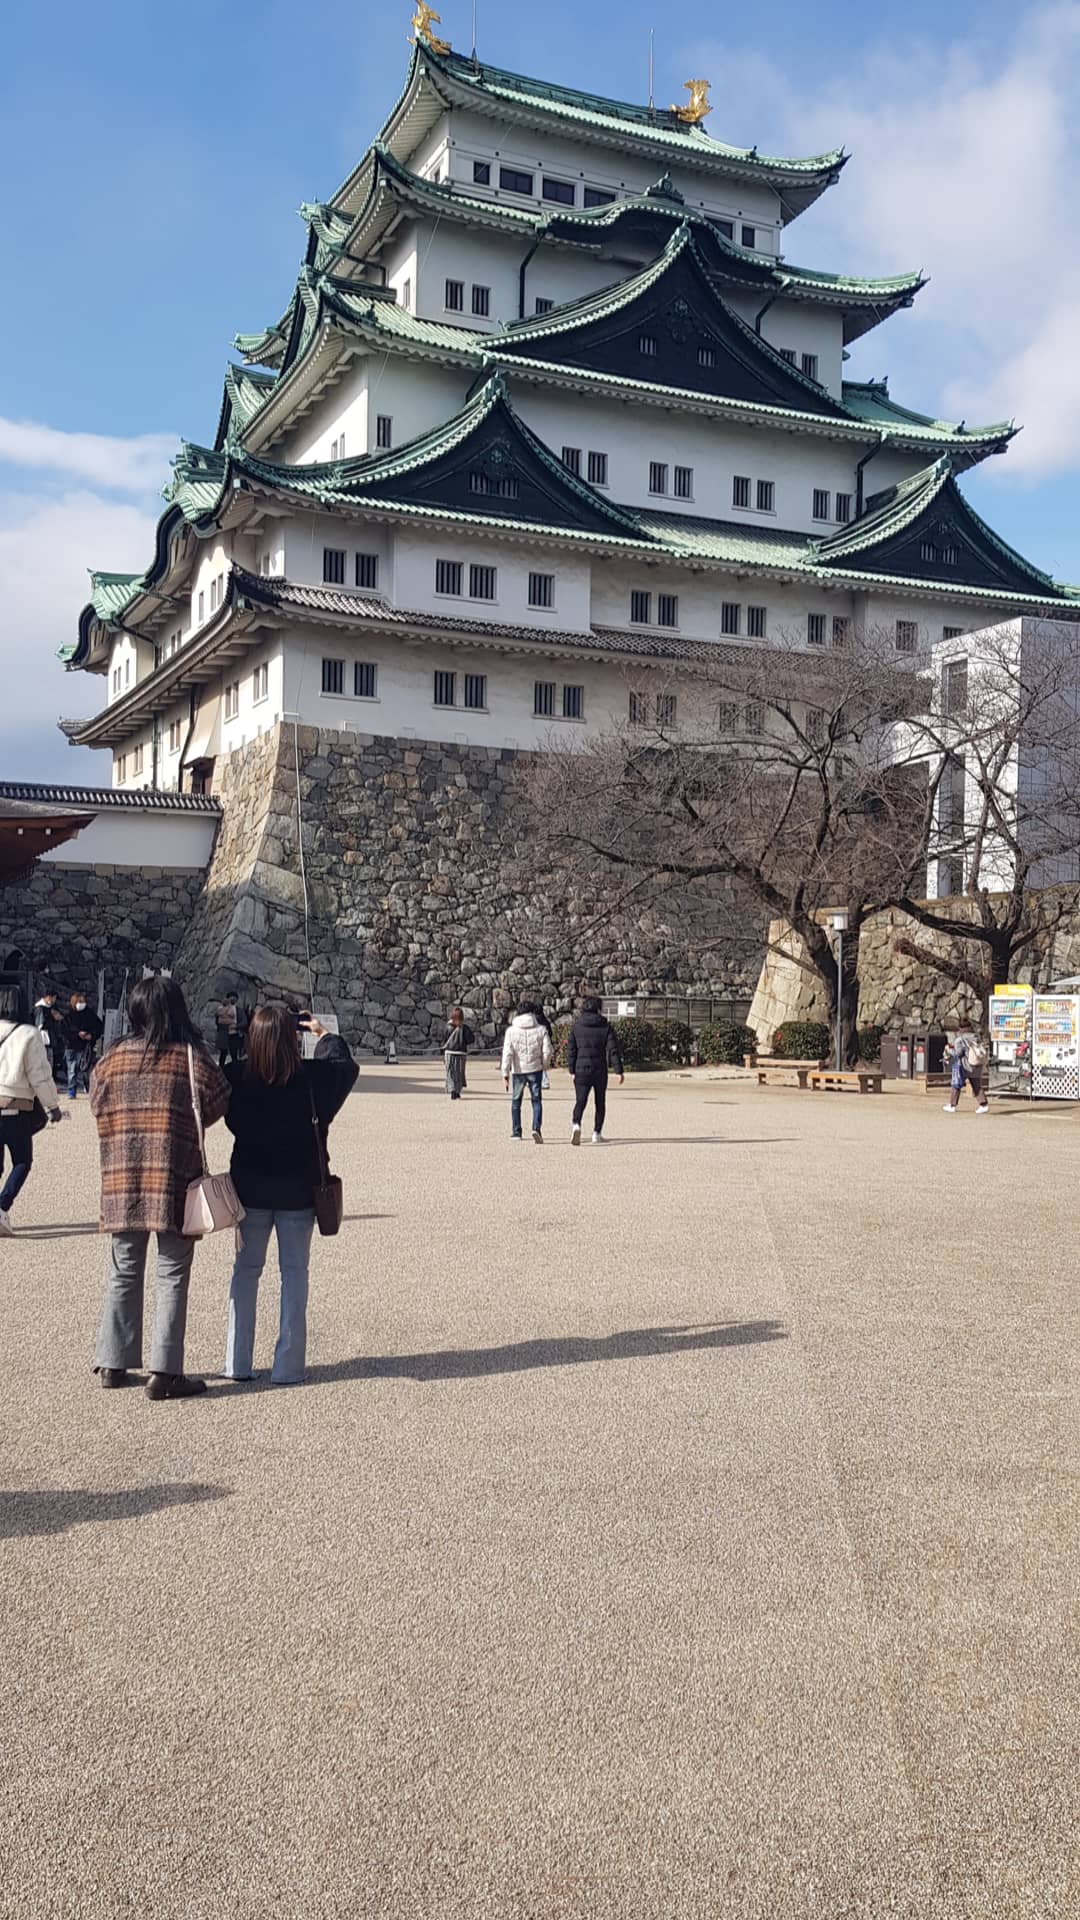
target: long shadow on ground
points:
(54, 1509)
(641, 1343)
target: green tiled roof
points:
(110, 593)
(890, 512)
(688, 536)
(871, 401)
(246, 389)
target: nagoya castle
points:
(549, 401)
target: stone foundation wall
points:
(67, 922)
(418, 895)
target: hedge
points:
(802, 1040)
(725, 1046)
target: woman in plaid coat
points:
(140, 1096)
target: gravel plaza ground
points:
(672, 1530)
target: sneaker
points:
(598, 1139)
(6, 1228)
(72, 1095)
(575, 1134)
(985, 1108)
(173, 1386)
(949, 1109)
(538, 1137)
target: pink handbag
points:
(212, 1202)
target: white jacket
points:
(526, 1046)
(24, 1068)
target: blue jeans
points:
(294, 1230)
(75, 1065)
(16, 1136)
(518, 1084)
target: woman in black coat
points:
(277, 1100)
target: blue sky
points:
(151, 165)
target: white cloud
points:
(138, 465)
(965, 158)
(46, 545)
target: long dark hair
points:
(13, 1005)
(159, 1016)
(273, 1046)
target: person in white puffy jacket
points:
(25, 1077)
(527, 1050)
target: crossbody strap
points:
(320, 1149)
(196, 1109)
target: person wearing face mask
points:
(81, 1030)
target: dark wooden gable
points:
(677, 331)
(946, 543)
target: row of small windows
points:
(596, 470)
(138, 761)
(764, 493)
(465, 690)
(563, 193)
(663, 710)
(840, 504)
(905, 637)
(667, 614)
(121, 677)
(334, 561)
(483, 583)
(455, 299)
(807, 361)
(365, 678)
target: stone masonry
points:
(67, 922)
(417, 896)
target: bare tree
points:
(999, 738)
(773, 780)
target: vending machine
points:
(1055, 1046)
(1010, 1040)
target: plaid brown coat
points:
(146, 1132)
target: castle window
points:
(754, 719)
(842, 508)
(481, 302)
(445, 689)
(365, 679)
(384, 430)
(476, 691)
(333, 676)
(121, 767)
(821, 503)
(766, 496)
(641, 608)
(788, 354)
(571, 459)
(740, 490)
(727, 228)
(928, 551)
(455, 296)
(260, 683)
(544, 698)
(706, 356)
(174, 736)
(541, 305)
(727, 716)
(514, 180)
(951, 633)
(809, 365)
(658, 476)
(749, 236)
(667, 609)
(907, 636)
(573, 703)
(639, 709)
(139, 752)
(202, 603)
(504, 486)
(683, 483)
(213, 586)
(815, 629)
(948, 556)
(841, 630)
(406, 294)
(541, 589)
(562, 191)
(647, 345)
(665, 709)
(448, 576)
(815, 723)
(954, 686)
(127, 673)
(333, 566)
(598, 469)
(481, 583)
(597, 197)
(367, 570)
(757, 622)
(730, 617)
(481, 173)
(232, 701)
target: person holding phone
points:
(277, 1100)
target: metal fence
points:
(694, 1010)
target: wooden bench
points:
(780, 1075)
(822, 1081)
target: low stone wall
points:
(67, 922)
(417, 894)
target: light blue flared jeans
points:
(294, 1232)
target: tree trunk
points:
(823, 960)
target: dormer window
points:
(647, 345)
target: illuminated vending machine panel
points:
(1010, 1040)
(1055, 1046)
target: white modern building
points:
(549, 401)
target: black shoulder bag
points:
(329, 1195)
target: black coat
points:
(593, 1048)
(72, 1024)
(274, 1158)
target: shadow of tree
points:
(641, 1343)
(44, 1510)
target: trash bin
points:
(890, 1060)
(927, 1052)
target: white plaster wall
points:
(806, 329)
(454, 252)
(307, 535)
(342, 410)
(414, 581)
(133, 660)
(254, 716)
(140, 840)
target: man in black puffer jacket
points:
(591, 1052)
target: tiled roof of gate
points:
(99, 799)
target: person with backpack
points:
(592, 1051)
(459, 1038)
(968, 1057)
